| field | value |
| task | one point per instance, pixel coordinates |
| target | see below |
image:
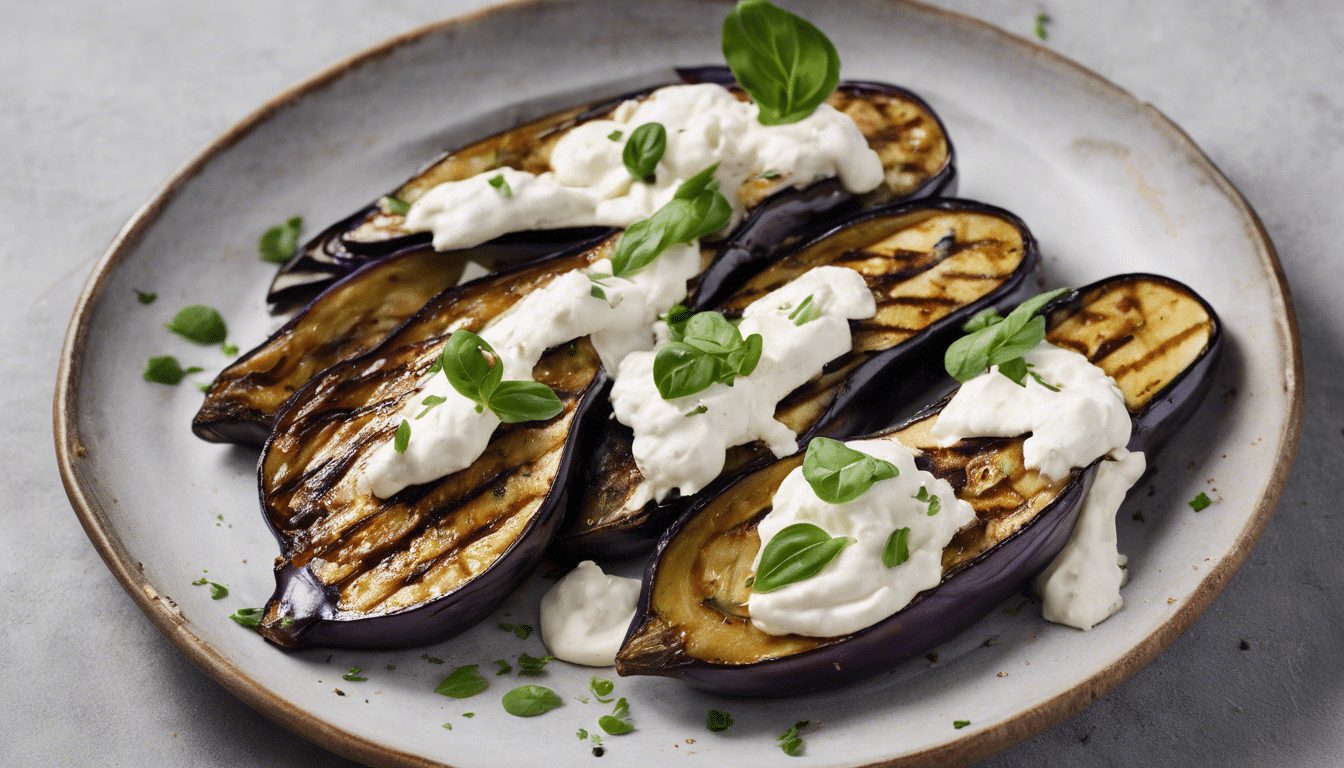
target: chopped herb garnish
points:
(166, 370)
(145, 297)
(770, 175)
(523, 631)
(839, 474)
(430, 403)
(785, 64)
(582, 734)
(711, 351)
(531, 665)
(462, 683)
(279, 242)
(500, 184)
(391, 666)
(791, 741)
(1041, 381)
(1015, 610)
(719, 721)
(403, 438)
(475, 371)
(468, 714)
(645, 148)
(431, 659)
(600, 688)
(217, 591)
(248, 617)
(200, 324)
(530, 701)
(1000, 342)
(935, 504)
(1138, 515)
(504, 667)
(695, 210)
(990, 642)
(394, 205)
(806, 312)
(353, 675)
(696, 411)
(1042, 19)
(449, 726)
(203, 387)
(229, 349)
(897, 550)
(597, 293)
(796, 553)
(618, 721)
(1200, 502)
(960, 723)
(614, 136)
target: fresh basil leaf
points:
(431, 659)
(697, 410)
(200, 324)
(515, 401)
(166, 370)
(643, 150)
(600, 688)
(530, 701)
(500, 184)
(229, 349)
(711, 332)
(935, 505)
(531, 665)
(504, 667)
(448, 726)
(431, 402)
(402, 440)
(791, 741)
(680, 370)
(614, 136)
(248, 617)
(719, 721)
(897, 550)
(278, 243)
(769, 175)
(582, 734)
(696, 209)
(523, 631)
(796, 553)
(468, 714)
(145, 297)
(742, 360)
(785, 64)
(618, 721)
(1016, 369)
(597, 293)
(1200, 502)
(394, 205)
(462, 682)
(959, 724)
(1041, 381)
(468, 369)
(353, 675)
(1001, 342)
(839, 474)
(806, 312)
(982, 319)
(217, 590)
(676, 319)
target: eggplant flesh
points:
(1158, 339)
(908, 137)
(930, 266)
(433, 559)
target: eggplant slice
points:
(930, 266)
(900, 127)
(1159, 341)
(434, 559)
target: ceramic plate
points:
(1107, 183)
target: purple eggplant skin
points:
(967, 595)
(318, 622)
(776, 223)
(869, 400)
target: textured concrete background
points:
(102, 101)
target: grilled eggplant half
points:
(900, 127)
(432, 560)
(930, 266)
(1154, 336)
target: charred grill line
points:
(1168, 344)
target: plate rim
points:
(962, 750)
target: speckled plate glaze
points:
(1107, 183)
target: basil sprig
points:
(695, 210)
(1001, 341)
(476, 372)
(839, 474)
(796, 553)
(643, 150)
(784, 63)
(710, 350)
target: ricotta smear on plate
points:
(856, 589)
(584, 617)
(590, 185)
(451, 436)
(677, 451)
(1082, 422)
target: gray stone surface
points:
(103, 101)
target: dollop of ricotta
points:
(674, 450)
(452, 435)
(856, 589)
(584, 617)
(1083, 421)
(1081, 586)
(589, 184)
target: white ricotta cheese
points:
(584, 617)
(856, 589)
(589, 184)
(1081, 587)
(1083, 421)
(453, 435)
(673, 450)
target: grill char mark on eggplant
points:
(432, 560)
(1174, 342)
(896, 354)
